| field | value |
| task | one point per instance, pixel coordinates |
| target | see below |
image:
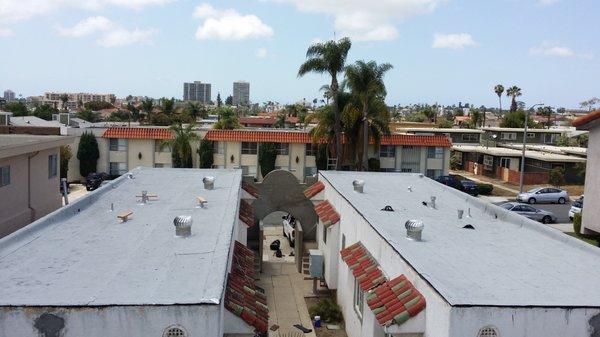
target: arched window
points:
(488, 331)
(174, 331)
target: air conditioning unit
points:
(315, 263)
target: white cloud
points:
(111, 33)
(229, 24)
(262, 53)
(452, 41)
(553, 49)
(366, 22)
(4, 32)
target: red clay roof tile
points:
(314, 189)
(395, 301)
(327, 213)
(251, 189)
(586, 119)
(138, 133)
(364, 268)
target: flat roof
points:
(521, 130)
(32, 121)
(81, 255)
(439, 130)
(507, 260)
(512, 152)
(575, 150)
(17, 144)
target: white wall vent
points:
(174, 331)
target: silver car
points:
(530, 212)
(544, 195)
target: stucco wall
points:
(102, 166)
(140, 153)
(591, 215)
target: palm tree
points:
(329, 57)
(499, 90)
(64, 98)
(365, 80)
(148, 107)
(181, 150)
(228, 119)
(168, 106)
(513, 92)
(196, 110)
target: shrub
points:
(206, 153)
(374, 165)
(267, 154)
(88, 154)
(485, 189)
(577, 223)
(557, 176)
(328, 310)
(455, 161)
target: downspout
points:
(31, 209)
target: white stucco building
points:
(491, 273)
(80, 271)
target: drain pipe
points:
(31, 209)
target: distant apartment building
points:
(197, 92)
(9, 95)
(74, 100)
(241, 93)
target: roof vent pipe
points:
(469, 212)
(183, 226)
(432, 203)
(410, 188)
(145, 197)
(209, 183)
(414, 229)
(359, 185)
(461, 212)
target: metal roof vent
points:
(145, 197)
(359, 185)
(461, 212)
(432, 203)
(183, 225)
(414, 228)
(209, 182)
(410, 188)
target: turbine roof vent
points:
(414, 229)
(183, 225)
(359, 185)
(209, 182)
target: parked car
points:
(576, 208)
(530, 212)
(289, 228)
(544, 195)
(465, 185)
(94, 180)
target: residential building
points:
(9, 95)
(267, 120)
(29, 178)
(197, 92)
(457, 136)
(515, 135)
(75, 100)
(241, 93)
(591, 213)
(121, 262)
(401, 261)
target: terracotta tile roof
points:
(257, 120)
(241, 135)
(395, 301)
(251, 189)
(138, 133)
(314, 189)
(364, 268)
(246, 213)
(327, 213)
(592, 116)
(241, 295)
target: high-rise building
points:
(9, 95)
(241, 93)
(197, 91)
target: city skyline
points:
(443, 51)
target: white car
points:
(289, 228)
(576, 208)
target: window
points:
(249, 148)
(406, 170)
(219, 147)
(52, 166)
(550, 138)
(387, 151)
(488, 161)
(470, 137)
(310, 150)
(159, 147)
(433, 174)
(117, 169)
(118, 144)
(435, 152)
(282, 149)
(174, 331)
(508, 136)
(249, 171)
(359, 299)
(4, 176)
(505, 162)
(488, 331)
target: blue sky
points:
(444, 51)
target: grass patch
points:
(592, 242)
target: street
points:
(561, 211)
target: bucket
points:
(317, 321)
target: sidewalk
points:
(498, 184)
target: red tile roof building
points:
(138, 133)
(327, 213)
(364, 268)
(242, 297)
(314, 189)
(395, 301)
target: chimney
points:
(414, 228)
(359, 185)
(183, 226)
(209, 183)
(432, 203)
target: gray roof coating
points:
(81, 255)
(505, 261)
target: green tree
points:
(44, 111)
(365, 81)
(65, 157)
(329, 57)
(87, 153)
(476, 117)
(580, 169)
(564, 141)
(167, 106)
(516, 119)
(267, 155)
(229, 100)
(64, 98)
(444, 123)
(196, 110)
(219, 101)
(148, 107)
(119, 116)
(513, 92)
(206, 153)
(499, 90)
(180, 144)
(557, 176)
(87, 115)
(17, 108)
(97, 105)
(228, 119)
(160, 119)
(547, 112)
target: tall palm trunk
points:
(365, 156)
(500, 103)
(337, 129)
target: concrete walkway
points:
(486, 180)
(285, 289)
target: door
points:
(531, 212)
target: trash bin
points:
(317, 321)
